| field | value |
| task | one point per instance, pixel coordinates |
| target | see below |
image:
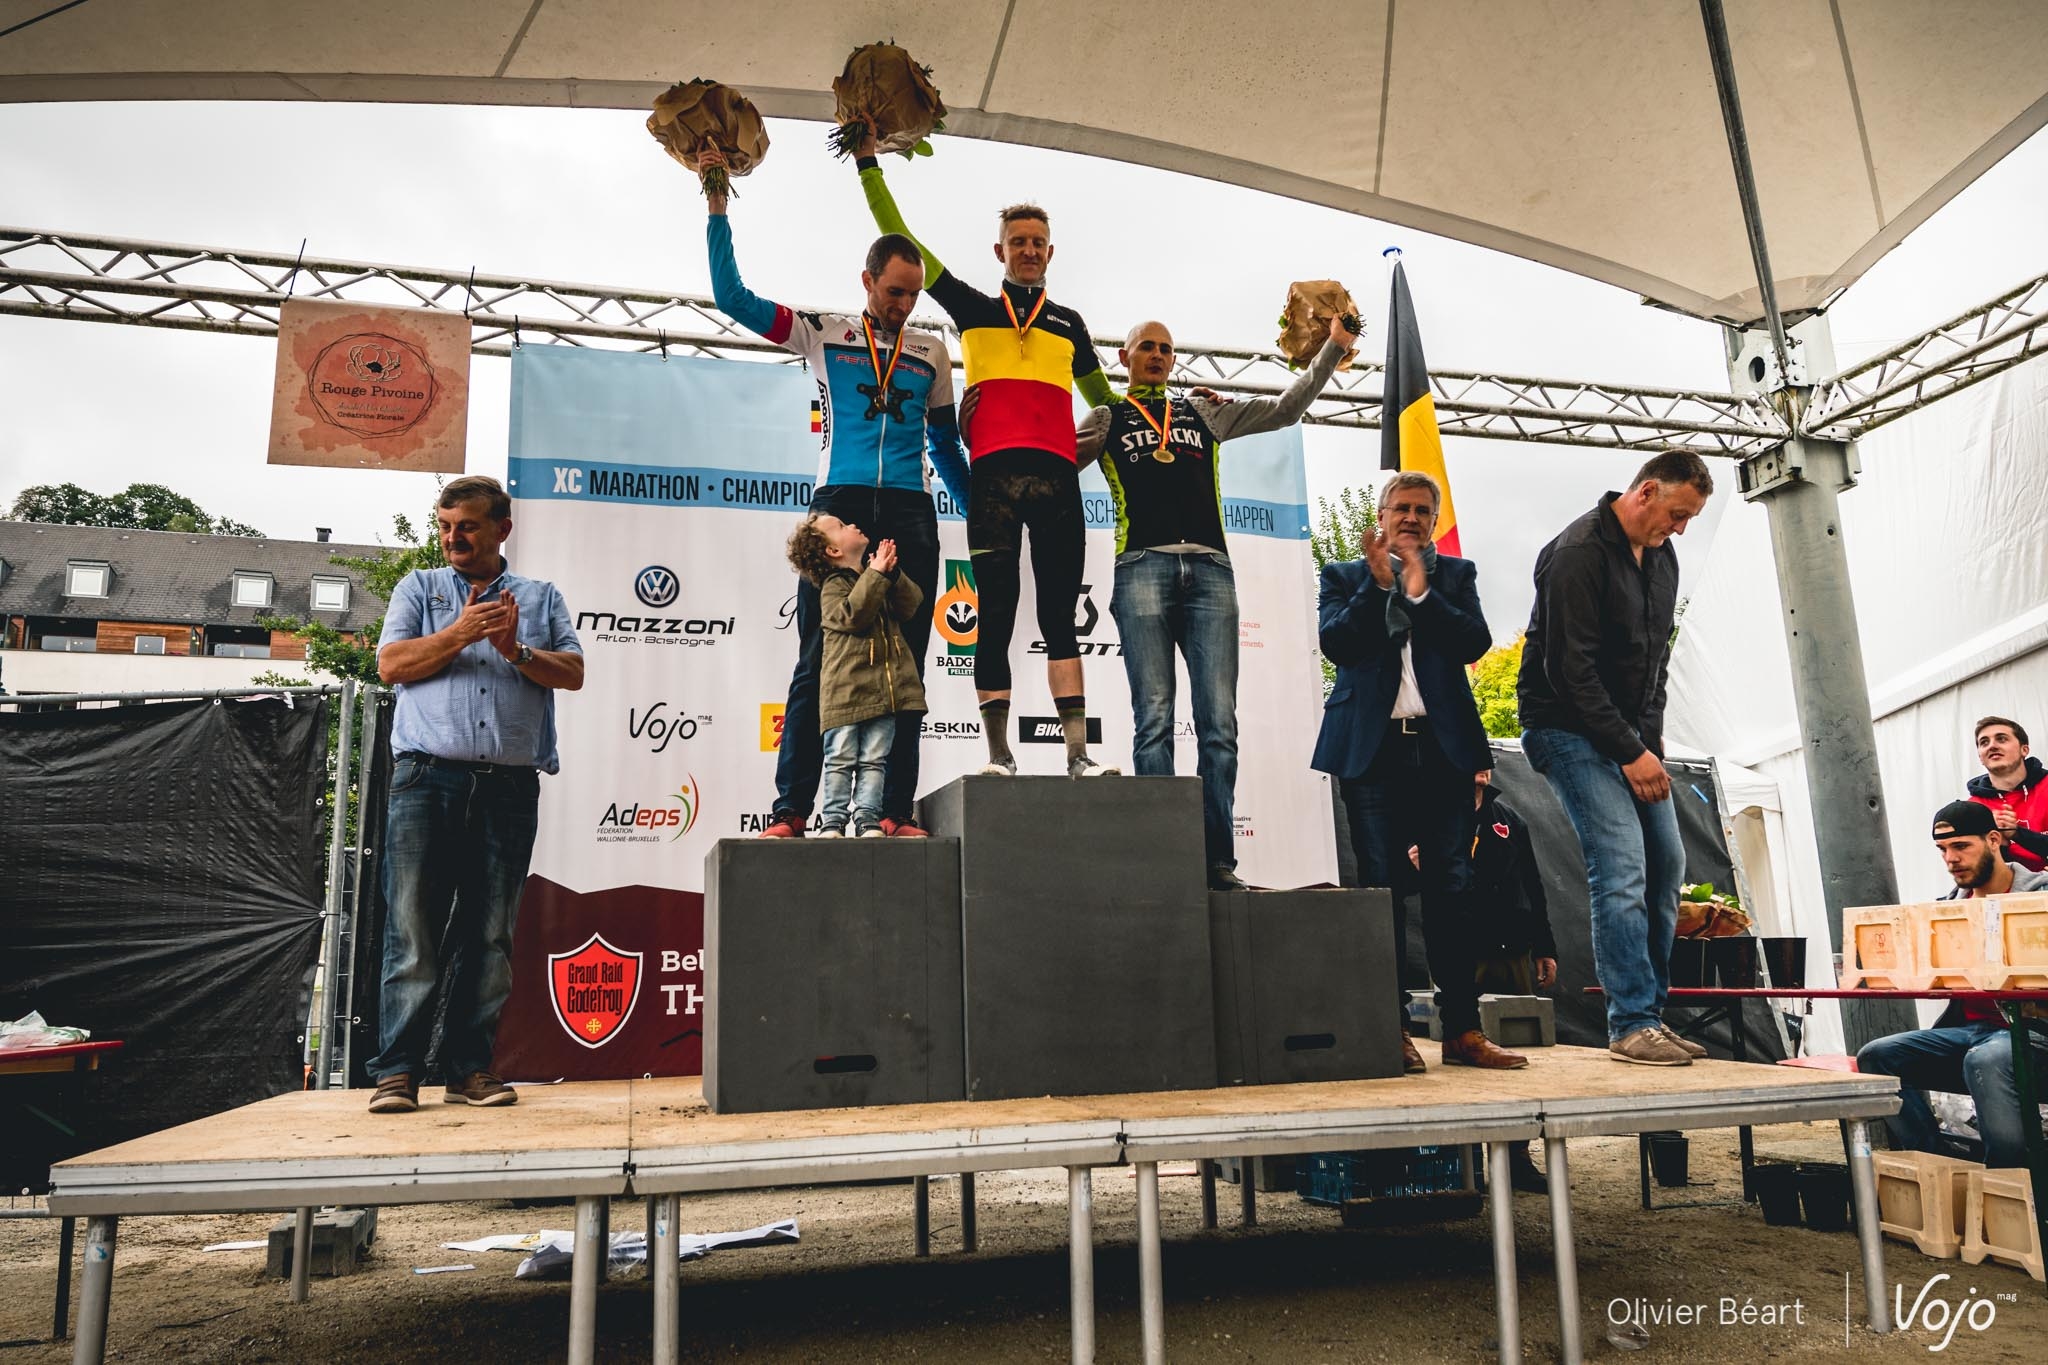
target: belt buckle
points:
(1411, 725)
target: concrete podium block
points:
(341, 1237)
(831, 973)
(1512, 1021)
(1085, 933)
(1302, 982)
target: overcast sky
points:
(587, 196)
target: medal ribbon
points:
(875, 357)
(1024, 326)
(1164, 428)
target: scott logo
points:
(593, 989)
(656, 586)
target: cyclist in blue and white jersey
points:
(885, 392)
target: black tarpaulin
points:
(160, 883)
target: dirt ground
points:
(1298, 1287)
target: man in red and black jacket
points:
(2015, 786)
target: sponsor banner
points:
(370, 388)
(684, 601)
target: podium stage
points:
(658, 1140)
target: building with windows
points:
(99, 609)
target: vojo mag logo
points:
(956, 616)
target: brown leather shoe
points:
(1473, 1048)
(1411, 1060)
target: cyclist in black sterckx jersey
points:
(1175, 591)
(1025, 355)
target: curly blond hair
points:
(809, 551)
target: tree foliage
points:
(1337, 534)
(1493, 687)
(329, 651)
(138, 507)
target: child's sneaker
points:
(1080, 765)
(829, 832)
(874, 832)
(999, 767)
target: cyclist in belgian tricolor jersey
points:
(1025, 357)
(885, 393)
(1174, 584)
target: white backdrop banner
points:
(657, 494)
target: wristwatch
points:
(523, 657)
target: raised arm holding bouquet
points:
(1305, 321)
(885, 95)
(698, 117)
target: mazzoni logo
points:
(1048, 730)
(660, 730)
(1086, 618)
(593, 989)
(634, 823)
(956, 616)
(657, 587)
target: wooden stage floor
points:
(655, 1138)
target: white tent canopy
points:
(1585, 134)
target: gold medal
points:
(1165, 429)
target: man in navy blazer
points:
(1402, 736)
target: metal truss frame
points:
(160, 284)
(1971, 347)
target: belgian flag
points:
(1408, 434)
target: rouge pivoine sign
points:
(370, 388)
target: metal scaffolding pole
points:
(337, 848)
(1797, 485)
(1837, 739)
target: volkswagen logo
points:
(656, 586)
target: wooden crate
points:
(1948, 943)
(1922, 1198)
(1999, 1224)
(1877, 948)
(2015, 943)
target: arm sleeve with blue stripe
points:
(734, 299)
(949, 460)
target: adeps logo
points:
(956, 616)
(634, 823)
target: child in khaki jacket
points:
(867, 677)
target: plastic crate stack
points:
(1335, 1177)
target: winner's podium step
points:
(832, 973)
(1085, 933)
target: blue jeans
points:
(1414, 795)
(1188, 602)
(457, 843)
(907, 518)
(1635, 864)
(856, 773)
(1972, 1058)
